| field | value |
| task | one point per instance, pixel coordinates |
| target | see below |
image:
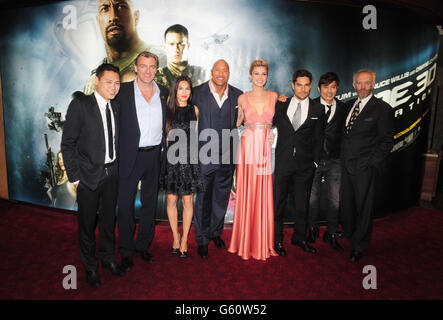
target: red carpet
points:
(406, 249)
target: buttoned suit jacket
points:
(370, 139)
(83, 140)
(297, 150)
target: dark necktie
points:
(110, 135)
(354, 116)
(328, 111)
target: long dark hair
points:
(171, 112)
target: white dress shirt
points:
(217, 98)
(149, 116)
(293, 107)
(102, 107)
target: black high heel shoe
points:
(176, 250)
(183, 254)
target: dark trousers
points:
(326, 189)
(146, 169)
(89, 201)
(357, 197)
(302, 188)
(211, 205)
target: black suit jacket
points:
(129, 128)
(307, 139)
(83, 140)
(334, 130)
(370, 139)
(201, 98)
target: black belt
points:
(110, 164)
(146, 149)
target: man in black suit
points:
(326, 183)
(142, 139)
(300, 125)
(89, 147)
(217, 103)
(366, 143)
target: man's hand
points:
(282, 98)
(271, 137)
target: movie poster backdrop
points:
(49, 51)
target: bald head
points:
(220, 73)
(220, 62)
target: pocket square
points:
(368, 119)
(314, 118)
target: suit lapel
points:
(308, 116)
(131, 96)
(98, 118)
(232, 104)
(163, 99)
(364, 113)
(116, 110)
(208, 102)
(285, 113)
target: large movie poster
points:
(50, 51)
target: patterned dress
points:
(182, 175)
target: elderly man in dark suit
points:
(142, 141)
(89, 147)
(300, 125)
(217, 103)
(366, 143)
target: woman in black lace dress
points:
(182, 177)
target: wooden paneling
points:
(3, 172)
(430, 176)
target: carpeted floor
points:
(406, 251)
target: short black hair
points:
(328, 78)
(177, 28)
(106, 67)
(301, 73)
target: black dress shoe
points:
(203, 251)
(355, 255)
(340, 234)
(114, 267)
(93, 278)
(127, 263)
(219, 243)
(280, 249)
(313, 234)
(332, 239)
(147, 256)
(303, 244)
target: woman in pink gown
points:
(253, 228)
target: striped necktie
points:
(354, 116)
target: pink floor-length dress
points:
(253, 228)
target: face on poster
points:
(49, 51)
